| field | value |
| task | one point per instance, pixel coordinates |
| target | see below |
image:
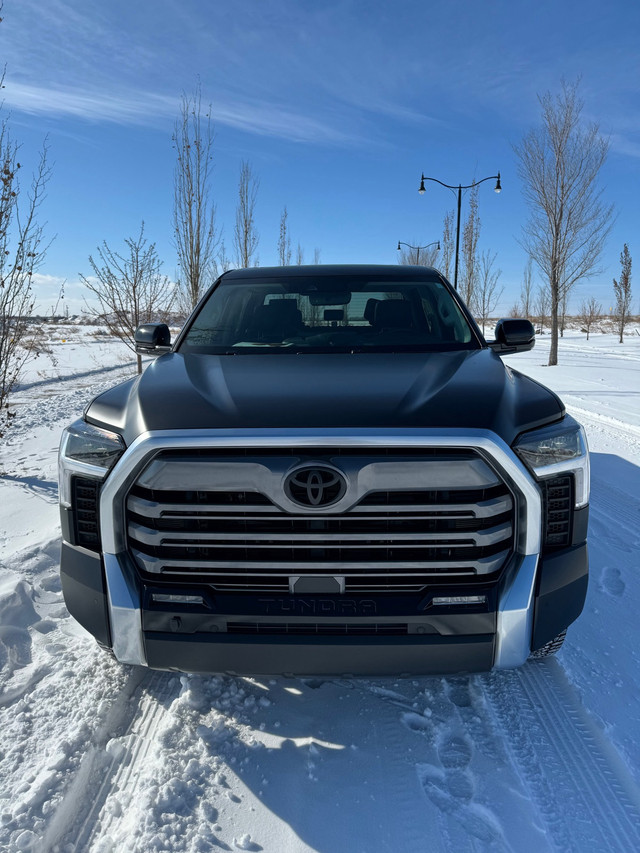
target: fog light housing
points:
(445, 600)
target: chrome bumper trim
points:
(124, 610)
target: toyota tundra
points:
(330, 471)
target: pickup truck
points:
(330, 471)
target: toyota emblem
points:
(315, 486)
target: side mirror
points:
(153, 339)
(513, 336)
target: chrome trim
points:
(267, 477)
(488, 536)
(469, 568)
(124, 610)
(515, 617)
(515, 608)
(154, 509)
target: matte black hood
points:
(453, 389)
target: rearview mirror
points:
(152, 339)
(513, 336)
(324, 298)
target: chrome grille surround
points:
(515, 610)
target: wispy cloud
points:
(92, 105)
(623, 145)
(148, 108)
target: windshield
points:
(300, 314)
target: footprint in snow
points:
(417, 723)
(451, 792)
(454, 752)
(459, 692)
(612, 582)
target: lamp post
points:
(459, 188)
(417, 248)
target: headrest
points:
(393, 314)
(370, 309)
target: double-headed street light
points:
(417, 248)
(459, 188)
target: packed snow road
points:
(99, 757)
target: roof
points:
(393, 271)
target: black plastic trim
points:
(580, 525)
(275, 655)
(84, 590)
(560, 593)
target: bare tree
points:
(284, 241)
(316, 256)
(622, 290)
(590, 313)
(487, 295)
(526, 295)
(224, 261)
(559, 164)
(448, 246)
(130, 289)
(470, 236)
(22, 251)
(418, 255)
(542, 306)
(562, 319)
(194, 213)
(299, 255)
(245, 236)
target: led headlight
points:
(86, 450)
(560, 448)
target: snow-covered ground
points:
(99, 757)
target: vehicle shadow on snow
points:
(615, 470)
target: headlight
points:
(558, 449)
(86, 450)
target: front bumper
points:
(175, 638)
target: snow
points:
(99, 757)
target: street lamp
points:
(459, 188)
(417, 248)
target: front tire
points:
(549, 648)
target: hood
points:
(462, 389)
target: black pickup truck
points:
(329, 472)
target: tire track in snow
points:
(619, 436)
(584, 794)
(123, 749)
(94, 770)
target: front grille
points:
(85, 498)
(558, 506)
(391, 532)
(341, 629)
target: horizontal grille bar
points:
(280, 583)
(367, 538)
(315, 628)
(180, 565)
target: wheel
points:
(549, 648)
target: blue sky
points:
(338, 106)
